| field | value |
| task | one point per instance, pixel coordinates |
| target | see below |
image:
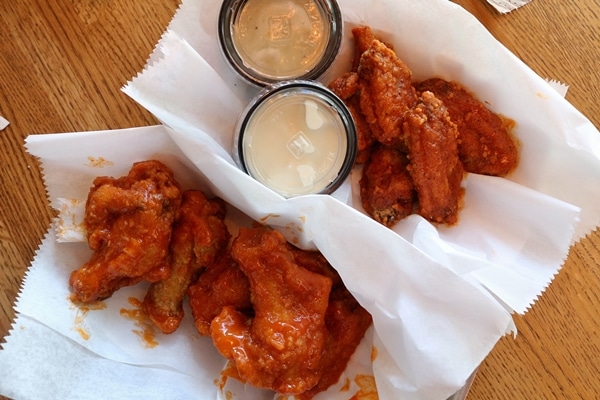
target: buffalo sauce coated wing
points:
(386, 188)
(363, 37)
(281, 347)
(221, 284)
(485, 144)
(434, 165)
(387, 92)
(347, 87)
(198, 237)
(346, 322)
(128, 226)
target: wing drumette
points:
(128, 225)
(485, 144)
(280, 348)
(198, 237)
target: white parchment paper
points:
(506, 6)
(3, 123)
(440, 297)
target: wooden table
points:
(62, 64)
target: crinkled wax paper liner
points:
(182, 47)
(424, 314)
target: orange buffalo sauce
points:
(146, 331)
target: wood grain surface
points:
(63, 62)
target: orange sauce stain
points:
(98, 162)
(346, 386)
(80, 315)
(146, 331)
(367, 388)
(508, 123)
(266, 218)
(293, 229)
(230, 371)
(374, 353)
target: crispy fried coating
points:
(386, 188)
(434, 165)
(198, 237)
(222, 284)
(281, 347)
(365, 139)
(128, 226)
(347, 87)
(485, 143)
(363, 37)
(387, 92)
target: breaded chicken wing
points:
(485, 143)
(363, 37)
(386, 94)
(281, 347)
(346, 322)
(386, 188)
(221, 284)
(434, 165)
(128, 226)
(347, 87)
(224, 285)
(198, 237)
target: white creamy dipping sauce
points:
(281, 39)
(295, 144)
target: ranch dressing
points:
(281, 39)
(298, 141)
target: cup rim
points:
(301, 86)
(227, 14)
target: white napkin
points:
(506, 6)
(3, 123)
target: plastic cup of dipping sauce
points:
(267, 41)
(297, 138)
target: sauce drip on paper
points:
(146, 331)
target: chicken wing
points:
(485, 143)
(386, 94)
(346, 322)
(363, 37)
(198, 237)
(347, 87)
(221, 284)
(434, 165)
(128, 226)
(386, 188)
(280, 348)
